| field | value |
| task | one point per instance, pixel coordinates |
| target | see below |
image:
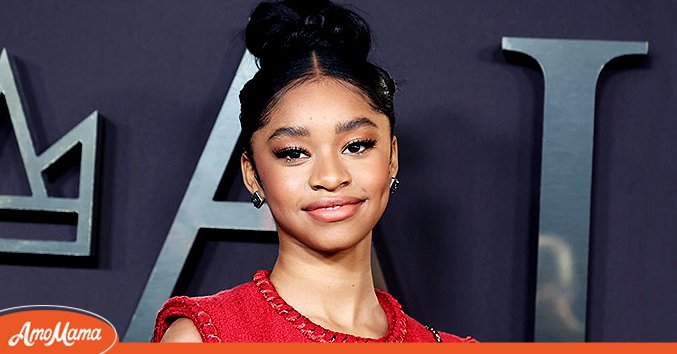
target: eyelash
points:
(287, 152)
(365, 143)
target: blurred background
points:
(459, 240)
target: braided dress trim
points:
(397, 323)
(183, 306)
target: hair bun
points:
(293, 27)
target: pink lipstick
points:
(333, 209)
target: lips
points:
(333, 209)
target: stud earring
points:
(394, 183)
(257, 200)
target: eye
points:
(358, 147)
(291, 154)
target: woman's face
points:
(325, 159)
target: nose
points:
(329, 173)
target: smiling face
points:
(325, 159)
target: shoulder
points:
(182, 330)
(451, 338)
(417, 332)
(203, 315)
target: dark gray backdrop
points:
(458, 241)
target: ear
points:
(394, 162)
(249, 174)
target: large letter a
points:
(199, 210)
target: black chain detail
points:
(438, 339)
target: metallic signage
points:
(570, 69)
(86, 134)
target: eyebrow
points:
(289, 131)
(343, 127)
(353, 124)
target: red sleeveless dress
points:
(254, 312)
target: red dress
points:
(255, 312)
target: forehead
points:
(322, 103)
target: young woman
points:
(320, 150)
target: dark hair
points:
(298, 40)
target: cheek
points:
(281, 183)
(373, 175)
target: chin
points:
(332, 242)
(328, 238)
(331, 249)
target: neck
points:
(335, 290)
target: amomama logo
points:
(54, 329)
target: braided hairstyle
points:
(300, 40)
